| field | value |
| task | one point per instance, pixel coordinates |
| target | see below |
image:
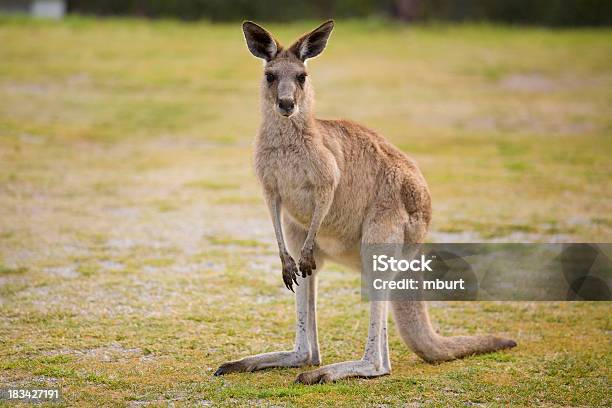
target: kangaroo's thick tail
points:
(414, 327)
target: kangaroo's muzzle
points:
(286, 107)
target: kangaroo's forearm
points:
(274, 206)
(322, 205)
(288, 264)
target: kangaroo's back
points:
(374, 173)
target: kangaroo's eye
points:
(270, 77)
(301, 78)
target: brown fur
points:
(338, 185)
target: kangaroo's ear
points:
(312, 44)
(260, 42)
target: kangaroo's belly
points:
(298, 202)
(297, 195)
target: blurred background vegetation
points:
(546, 12)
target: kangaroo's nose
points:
(286, 105)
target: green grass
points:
(136, 254)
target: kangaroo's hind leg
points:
(306, 312)
(306, 348)
(386, 228)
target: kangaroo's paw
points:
(290, 272)
(307, 262)
(263, 361)
(338, 371)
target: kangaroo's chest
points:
(289, 172)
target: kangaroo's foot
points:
(375, 361)
(338, 371)
(266, 360)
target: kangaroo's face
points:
(285, 85)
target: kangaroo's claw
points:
(290, 272)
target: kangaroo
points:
(331, 186)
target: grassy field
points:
(135, 250)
